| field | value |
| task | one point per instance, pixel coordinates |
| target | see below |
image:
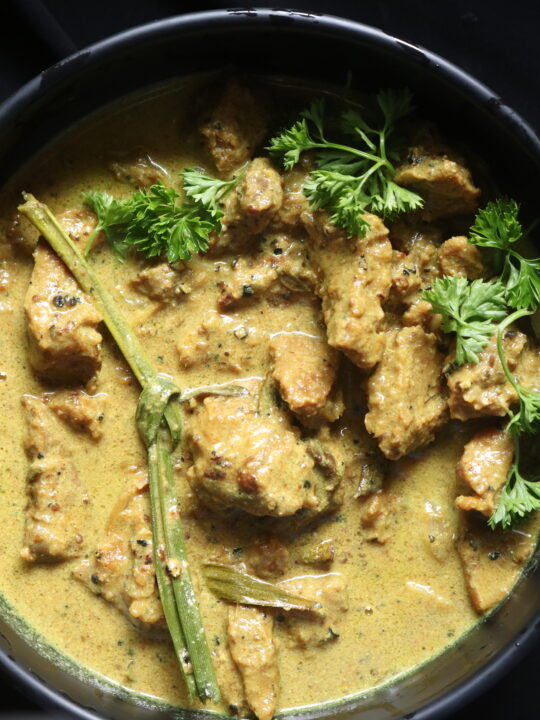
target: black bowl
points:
(320, 49)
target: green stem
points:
(180, 608)
(178, 571)
(166, 592)
(500, 349)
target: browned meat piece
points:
(312, 629)
(79, 223)
(405, 396)
(250, 207)
(419, 313)
(528, 369)
(445, 183)
(230, 346)
(65, 346)
(252, 646)
(121, 570)
(279, 265)
(57, 500)
(458, 257)
(253, 459)
(354, 281)
(492, 561)
(305, 369)
(137, 169)
(236, 126)
(482, 388)
(268, 558)
(484, 466)
(162, 283)
(294, 203)
(79, 410)
(414, 270)
(378, 511)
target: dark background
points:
(496, 41)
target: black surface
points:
(496, 42)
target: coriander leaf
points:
(112, 215)
(160, 226)
(497, 226)
(206, 192)
(470, 310)
(351, 180)
(518, 498)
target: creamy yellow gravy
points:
(405, 601)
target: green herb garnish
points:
(470, 310)
(475, 312)
(497, 226)
(351, 180)
(155, 223)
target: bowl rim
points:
(482, 679)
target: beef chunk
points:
(305, 369)
(237, 124)
(484, 467)
(322, 625)
(458, 257)
(57, 500)
(253, 459)
(65, 346)
(162, 283)
(477, 389)
(137, 169)
(279, 266)
(254, 652)
(82, 412)
(121, 569)
(492, 561)
(444, 182)
(250, 207)
(354, 281)
(405, 397)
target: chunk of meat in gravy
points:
(294, 202)
(279, 265)
(482, 388)
(121, 569)
(322, 625)
(57, 499)
(406, 401)
(378, 513)
(458, 257)
(237, 124)
(492, 562)
(79, 223)
(138, 170)
(444, 183)
(484, 467)
(250, 459)
(354, 281)
(64, 343)
(305, 369)
(82, 412)
(414, 270)
(268, 558)
(162, 283)
(250, 207)
(254, 652)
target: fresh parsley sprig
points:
(518, 498)
(470, 310)
(350, 180)
(154, 222)
(475, 312)
(497, 226)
